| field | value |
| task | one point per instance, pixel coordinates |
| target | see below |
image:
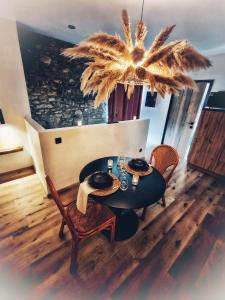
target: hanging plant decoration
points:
(162, 66)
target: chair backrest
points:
(61, 208)
(55, 196)
(165, 156)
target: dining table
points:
(149, 190)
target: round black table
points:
(149, 190)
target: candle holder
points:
(134, 187)
(135, 180)
(79, 123)
(110, 163)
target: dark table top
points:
(149, 190)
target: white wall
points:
(80, 145)
(13, 98)
(33, 129)
(216, 72)
(157, 116)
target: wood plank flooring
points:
(12, 175)
(178, 252)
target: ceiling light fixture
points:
(113, 60)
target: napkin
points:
(84, 190)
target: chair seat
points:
(95, 216)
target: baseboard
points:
(206, 171)
(63, 190)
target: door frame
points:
(210, 81)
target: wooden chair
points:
(166, 160)
(97, 218)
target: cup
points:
(135, 179)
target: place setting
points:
(99, 183)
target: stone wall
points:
(53, 83)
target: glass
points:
(120, 163)
(123, 181)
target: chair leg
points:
(61, 233)
(143, 213)
(163, 201)
(74, 253)
(112, 235)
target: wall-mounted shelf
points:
(4, 151)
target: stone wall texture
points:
(53, 83)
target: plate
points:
(138, 164)
(100, 180)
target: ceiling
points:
(202, 22)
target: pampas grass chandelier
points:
(113, 60)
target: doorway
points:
(120, 108)
(183, 116)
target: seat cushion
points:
(96, 215)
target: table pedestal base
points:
(126, 224)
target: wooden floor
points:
(178, 252)
(12, 175)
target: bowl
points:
(100, 180)
(138, 164)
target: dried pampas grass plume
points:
(113, 60)
(161, 38)
(126, 28)
(141, 32)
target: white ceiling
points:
(202, 22)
